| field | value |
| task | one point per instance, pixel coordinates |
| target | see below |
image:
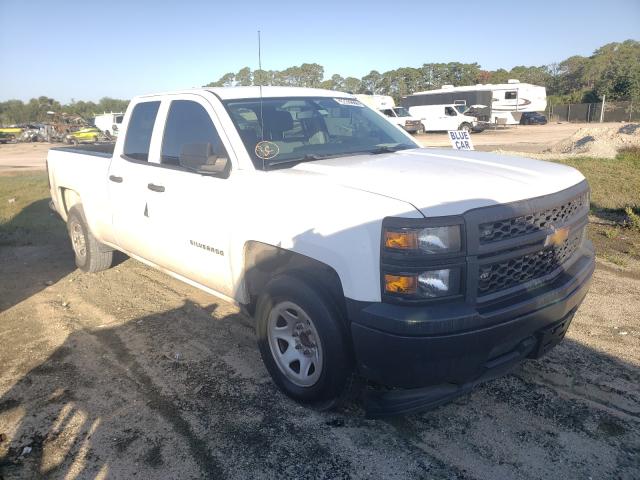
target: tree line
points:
(612, 70)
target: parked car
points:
(533, 118)
(359, 253)
(87, 134)
(6, 137)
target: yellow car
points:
(9, 134)
(88, 134)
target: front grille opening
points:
(515, 227)
(516, 271)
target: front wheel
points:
(303, 343)
(465, 127)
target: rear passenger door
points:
(191, 213)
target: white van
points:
(443, 117)
(399, 116)
(109, 123)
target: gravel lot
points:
(130, 373)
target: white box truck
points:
(109, 123)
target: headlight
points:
(432, 240)
(423, 285)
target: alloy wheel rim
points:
(295, 344)
(77, 240)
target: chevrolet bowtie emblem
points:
(558, 237)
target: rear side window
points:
(188, 123)
(138, 139)
(510, 95)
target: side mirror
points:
(200, 158)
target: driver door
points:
(191, 214)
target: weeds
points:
(611, 233)
(633, 220)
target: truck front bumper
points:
(450, 363)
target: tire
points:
(465, 127)
(298, 323)
(91, 255)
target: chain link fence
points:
(593, 112)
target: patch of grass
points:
(25, 217)
(615, 258)
(615, 182)
(615, 196)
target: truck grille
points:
(509, 273)
(523, 225)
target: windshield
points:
(402, 112)
(311, 128)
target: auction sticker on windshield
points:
(349, 101)
(460, 140)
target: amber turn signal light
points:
(407, 240)
(400, 284)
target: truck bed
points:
(93, 149)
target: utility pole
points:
(602, 109)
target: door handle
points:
(155, 188)
(113, 178)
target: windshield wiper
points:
(390, 149)
(307, 158)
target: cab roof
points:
(230, 93)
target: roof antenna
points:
(260, 87)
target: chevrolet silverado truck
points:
(362, 256)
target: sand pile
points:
(598, 141)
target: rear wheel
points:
(91, 255)
(303, 343)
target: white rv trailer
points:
(490, 101)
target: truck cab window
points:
(136, 144)
(510, 95)
(388, 112)
(188, 123)
(449, 111)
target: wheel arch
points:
(262, 262)
(70, 198)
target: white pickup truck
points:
(360, 254)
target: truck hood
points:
(444, 182)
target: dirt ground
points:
(520, 138)
(129, 373)
(22, 157)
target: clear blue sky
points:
(86, 50)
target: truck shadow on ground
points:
(34, 253)
(182, 394)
